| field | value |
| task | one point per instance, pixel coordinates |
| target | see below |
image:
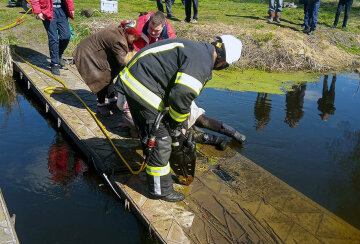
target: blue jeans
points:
(311, 13)
(58, 31)
(342, 3)
(279, 5)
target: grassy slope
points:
(245, 17)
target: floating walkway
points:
(7, 230)
(232, 200)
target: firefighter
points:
(170, 73)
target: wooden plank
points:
(7, 229)
(231, 200)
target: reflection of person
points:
(343, 3)
(63, 165)
(54, 14)
(154, 28)
(100, 57)
(262, 110)
(294, 105)
(170, 73)
(326, 102)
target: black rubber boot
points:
(218, 141)
(229, 131)
(174, 196)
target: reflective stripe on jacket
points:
(169, 73)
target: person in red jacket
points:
(155, 27)
(54, 15)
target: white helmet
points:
(233, 48)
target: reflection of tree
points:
(345, 153)
(326, 102)
(294, 105)
(262, 110)
(63, 163)
(8, 98)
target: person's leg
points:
(195, 8)
(315, 13)
(51, 29)
(338, 12)
(307, 18)
(209, 139)
(271, 10)
(347, 11)
(168, 9)
(160, 6)
(279, 5)
(188, 10)
(63, 32)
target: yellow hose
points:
(55, 89)
(16, 22)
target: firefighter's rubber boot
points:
(229, 131)
(218, 141)
(174, 196)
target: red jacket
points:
(143, 22)
(46, 8)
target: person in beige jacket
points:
(100, 57)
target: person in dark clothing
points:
(311, 15)
(170, 73)
(262, 110)
(343, 3)
(294, 105)
(326, 102)
(168, 4)
(195, 4)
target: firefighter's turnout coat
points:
(169, 73)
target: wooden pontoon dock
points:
(232, 200)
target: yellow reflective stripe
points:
(177, 116)
(142, 91)
(157, 49)
(158, 171)
(189, 81)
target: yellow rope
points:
(55, 89)
(16, 22)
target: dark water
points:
(309, 138)
(57, 198)
(47, 184)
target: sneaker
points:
(103, 110)
(311, 32)
(277, 20)
(185, 21)
(62, 62)
(170, 16)
(174, 196)
(194, 21)
(55, 69)
(306, 30)
(270, 20)
(334, 26)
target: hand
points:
(72, 13)
(41, 16)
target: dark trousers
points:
(311, 12)
(59, 34)
(158, 172)
(342, 3)
(168, 4)
(108, 91)
(188, 9)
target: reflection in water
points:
(294, 104)
(345, 184)
(326, 102)
(262, 110)
(8, 98)
(63, 163)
